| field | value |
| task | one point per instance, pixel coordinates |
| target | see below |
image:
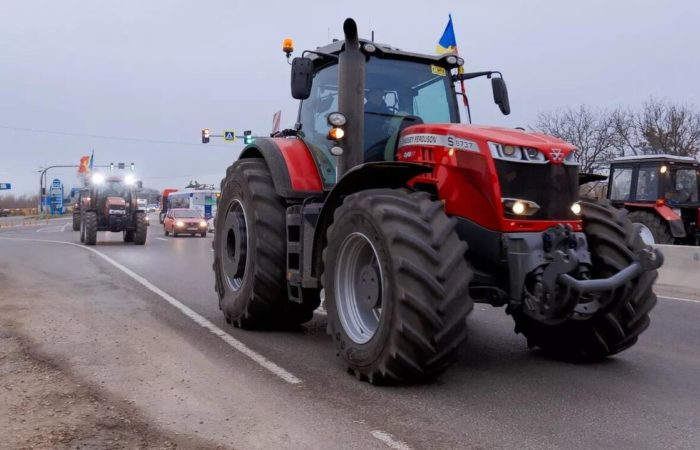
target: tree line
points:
(604, 134)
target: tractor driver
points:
(377, 119)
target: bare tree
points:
(593, 132)
(667, 128)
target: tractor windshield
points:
(113, 188)
(397, 93)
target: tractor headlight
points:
(570, 158)
(129, 179)
(336, 119)
(520, 207)
(534, 155)
(179, 223)
(576, 208)
(98, 178)
(203, 224)
(506, 152)
(509, 152)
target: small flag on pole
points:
(448, 41)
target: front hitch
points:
(649, 259)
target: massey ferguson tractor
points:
(662, 194)
(110, 204)
(381, 203)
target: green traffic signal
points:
(247, 137)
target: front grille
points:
(554, 187)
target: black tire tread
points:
(268, 305)
(613, 241)
(431, 280)
(658, 227)
(90, 228)
(141, 231)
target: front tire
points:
(613, 243)
(250, 251)
(396, 286)
(76, 221)
(653, 229)
(90, 228)
(141, 231)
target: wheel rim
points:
(235, 246)
(646, 234)
(358, 288)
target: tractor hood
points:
(115, 203)
(438, 134)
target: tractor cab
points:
(400, 89)
(662, 194)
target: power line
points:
(98, 136)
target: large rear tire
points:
(76, 221)
(653, 229)
(613, 242)
(141, 231)
(250, 251)
(90, 228)
(396, 286)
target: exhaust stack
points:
(351, 95)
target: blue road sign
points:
(229, 135)
(56, 196)
(5, 186)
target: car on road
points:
(184, 221)
(4, 212)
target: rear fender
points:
(294, 172)
(374, 175)
(675, 223)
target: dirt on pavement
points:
(42, 406)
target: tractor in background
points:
(662, 194)
(109, 203)
(398, 216)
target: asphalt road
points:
(144, 325)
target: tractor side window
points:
(429, 102)
(622, 184)
(314, 111)
(647, 184)
(685, 187)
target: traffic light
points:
(205, 135)
(247, 137)
(111, 166)
(132, 166)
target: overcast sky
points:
(160, 70)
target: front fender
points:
(294, 172)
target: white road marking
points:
(64, 226)
(389, 440)
(53, 229)
(679, 299)
(198, 319)
(162, 239)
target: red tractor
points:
(400, 218)
(109, 203)
(662, 194)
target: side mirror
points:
(500, 95)
(302, 75)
